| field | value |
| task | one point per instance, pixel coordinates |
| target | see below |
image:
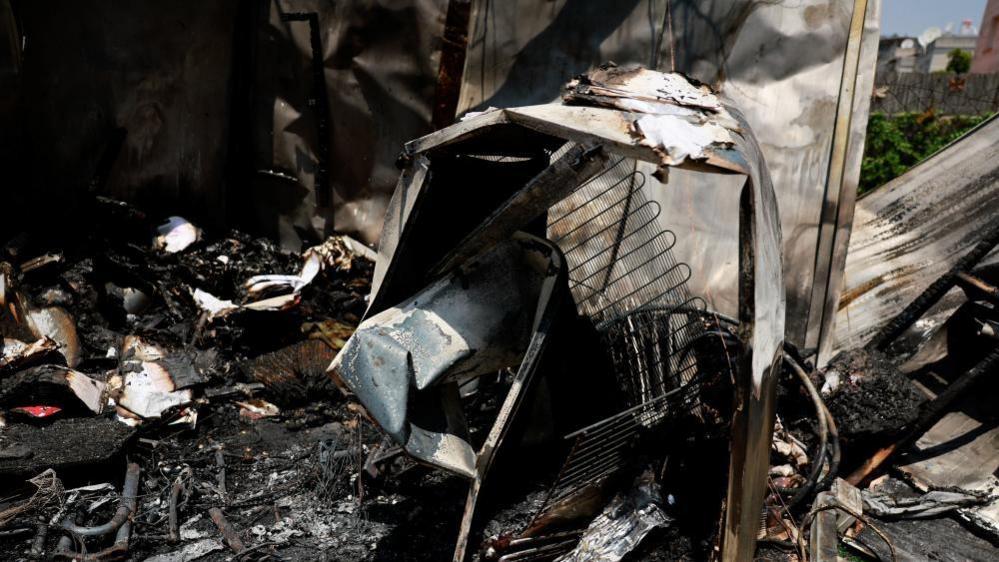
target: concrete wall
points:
(986, 59)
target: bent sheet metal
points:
(456, 293)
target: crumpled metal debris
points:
(930, 504)
(476, 320)
(626, 520)
(334, 252)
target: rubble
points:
(526, 372)
(626, 520)
(146, 365)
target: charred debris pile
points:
(523, 373)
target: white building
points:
(935, 57)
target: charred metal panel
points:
(478, 319)
(782, 63)
(10, 69)
(379, 64)
(912, 230)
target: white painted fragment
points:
(214, 306)
(175, 235)
(260, 283)
(679, 139)
(257, 408)
(673, 87)
(90, 391)
(280, 302)
(151, 391)
(190, 551)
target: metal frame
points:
(760, 286)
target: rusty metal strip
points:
(454, 45)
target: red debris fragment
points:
(38, 411)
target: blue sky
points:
(911, 17)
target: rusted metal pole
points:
(452, 68)
(125, 510)
(977, 289)
(220, 478)
(175, 491)
(129, 501)
(229, 533)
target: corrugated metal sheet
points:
(912, 230)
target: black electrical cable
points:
(818, 460)
(722, 334)
(834, 460)
(829, 447)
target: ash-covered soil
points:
(291, 485)
(874, 401)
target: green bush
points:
(898, 142)
(958, 61)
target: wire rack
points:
(625, 278)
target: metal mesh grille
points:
(626, 280)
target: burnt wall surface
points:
(281, 117)
(331, 109)
(158, 70)
(285, 117)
